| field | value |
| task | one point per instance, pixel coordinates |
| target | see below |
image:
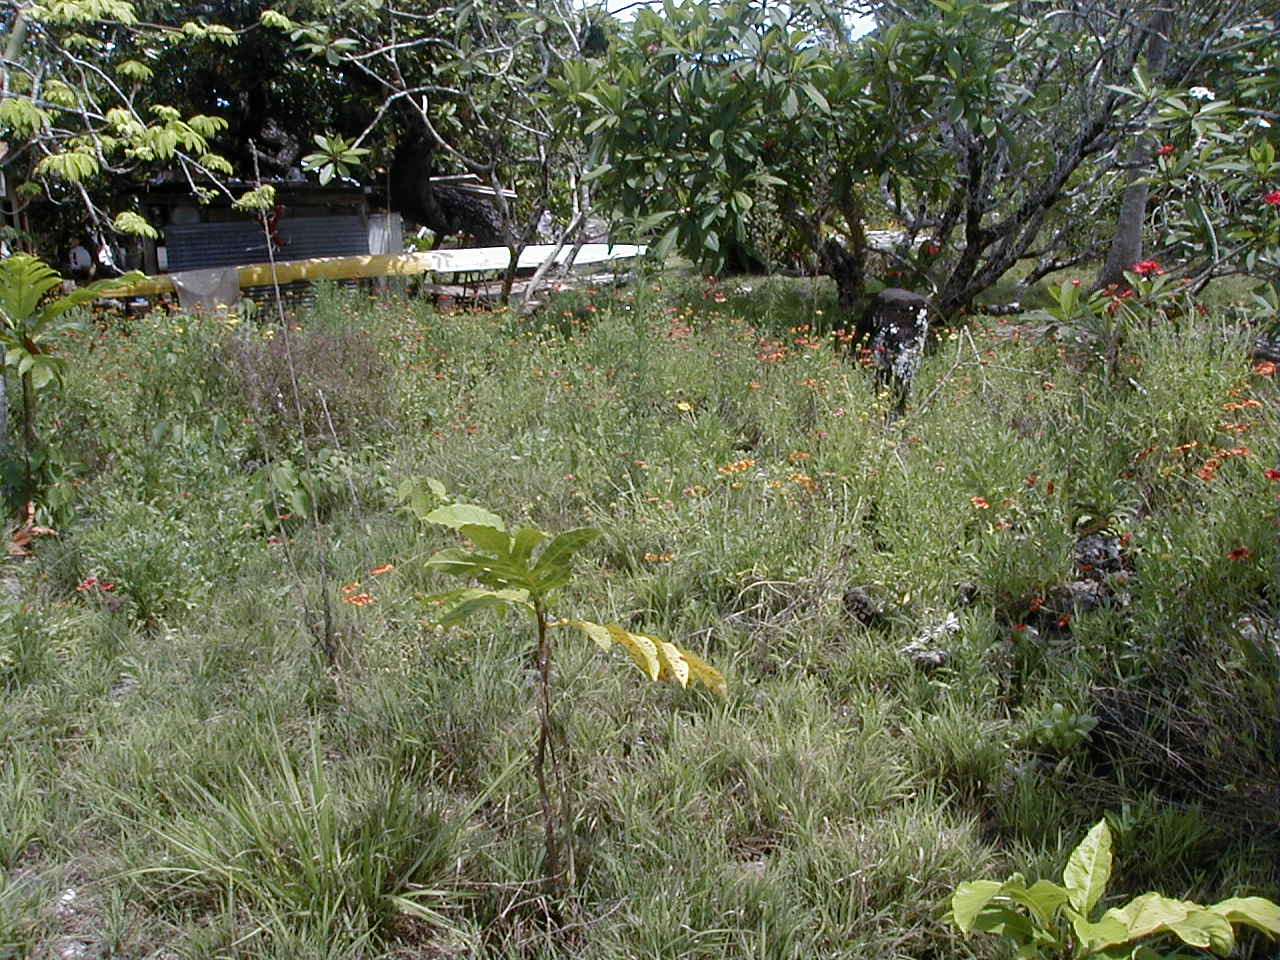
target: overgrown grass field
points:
(230, 727)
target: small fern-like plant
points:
(524, 570)
(1050, 920)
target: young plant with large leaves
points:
(1050, 920)
(524, 570)
(30, 324)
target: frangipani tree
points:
(976, 123)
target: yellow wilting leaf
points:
(657, 658)
(593, 631)
(705, 674)
(674, 665)
(642, 649)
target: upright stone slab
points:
(897, 324)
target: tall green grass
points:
(223, 757)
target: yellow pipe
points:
(319, 268)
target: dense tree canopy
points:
(742, 133)
(993, 130)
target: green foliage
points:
(1063, 730)
(1217, 173)
(31, 324)
(336, 157)
(129, 222)
(1046, 919)
(748, 79)
(31, 321)
(84, 104)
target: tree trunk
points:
(1126, 242)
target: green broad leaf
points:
(1007, 923)
(969, 900)
(1089, 869)
(1257, 912)
(461, 563)
(134, 70)
(74, 167)
(273, 18)
(814, 94)
(666, 243)
(1207, 930)
(487, 538)
(22, 116)
(42, 375)
(458, 605)
(261, 198)
(558, 554)
(88, 293)
(1199, 213)
(1044, 898)
(523, 543)
(1096, 936)
(654, 220)
(24, 280)
(790, 105)
(457, 515)
(1145, 915)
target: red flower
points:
(1167, 149)
(932, 249)
(1265, 368)
(1146, 268)
(1239, 553)
(1272, 198)
(1271, 473)
(980, 503)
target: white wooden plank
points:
(477, 259)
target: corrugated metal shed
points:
(195, 246)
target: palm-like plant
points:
(30, 322)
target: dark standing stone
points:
(897, 324)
